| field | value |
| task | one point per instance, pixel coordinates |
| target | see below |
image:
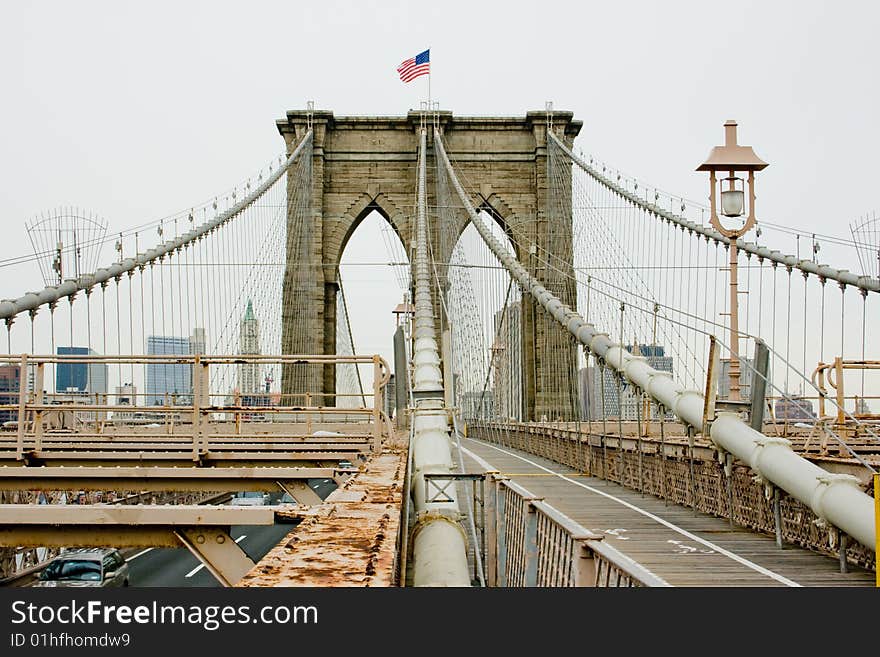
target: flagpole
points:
(429, 78)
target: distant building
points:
(9, 383)
(88, 378)
(507, 364)
(197, 341)
(620, 399)
(171, 380)
(794, 408)
(249, 380)
(746, 375)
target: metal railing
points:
(530, 543)
(683, 474)
(193, 421)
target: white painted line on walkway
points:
(201, 565)
(727, 553)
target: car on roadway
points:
(103, 567)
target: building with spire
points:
(249, 381)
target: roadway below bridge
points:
(174, 567)
(681, 546)
(177, 567)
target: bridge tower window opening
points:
(373, 276)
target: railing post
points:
(501, 533)
(204, 402)
(841, 400)
(237, 414)
(377, 404)
(38, 414)
(531, 544)
(877, 527)
(196, 406)
(583, 564)
(491, 515)
(22, 405)
(777, 517)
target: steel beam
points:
(157, 478)
(139, 514)
(118, 536)
(301, 492)
(438, 540)
(218, 552)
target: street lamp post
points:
(732, 158)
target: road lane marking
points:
(139, 554)
(727, 553)
(201, 565)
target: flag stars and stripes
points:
(413, 67)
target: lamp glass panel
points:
(732, 202)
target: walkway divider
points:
(438, 540)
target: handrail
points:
(564, 556)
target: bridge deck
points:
(675, 543)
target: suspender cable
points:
(834, 497)
(50, 294)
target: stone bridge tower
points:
(362, 164)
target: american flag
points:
(413, 67)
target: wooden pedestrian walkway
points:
(679, 545)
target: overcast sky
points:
(137, 110)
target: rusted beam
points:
(350, 539)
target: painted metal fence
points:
(700, 482)
(530, 543)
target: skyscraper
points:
(746, 373)
(197, 341)
(619, 396)
(507, 363)
(89, 378)
(249, 343)
(9, 384)
(171, 379)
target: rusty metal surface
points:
(349, 540)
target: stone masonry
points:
(362, 164)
